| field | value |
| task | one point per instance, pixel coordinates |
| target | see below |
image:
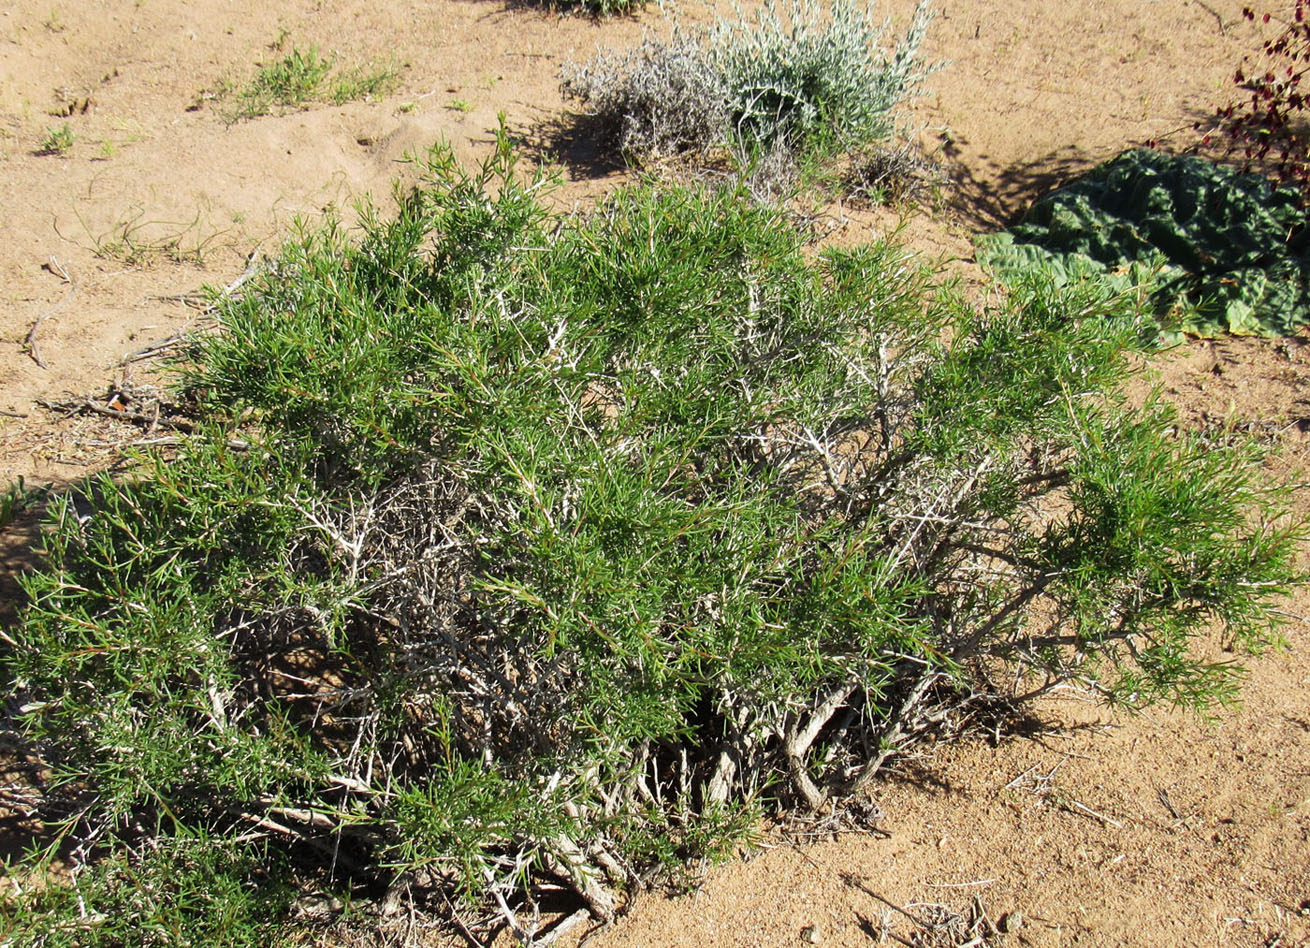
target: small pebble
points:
(810, 934)
(1010, 922)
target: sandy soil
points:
(1099, 829)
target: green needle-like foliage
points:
(558, 546)
(185, 889)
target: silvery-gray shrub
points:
(813, 77)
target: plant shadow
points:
(577, 141)
(594, 10)
(19, 541)
(996, 722)
(25, 823)
(992, 197)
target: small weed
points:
(407, 108)
(363, 84)
(54, 24)
(57, 141)
(290, 82)
(301, 77)
(220, 90)
(15, 499)
(459, 105)
(136, 241)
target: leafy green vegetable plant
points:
(563, 546)
(1213, 249)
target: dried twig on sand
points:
(210, 305)
(29, 341)
(154, 420)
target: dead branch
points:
(122, 414)
(262, 822)
(798, 740)
(567, 860)
(29, 342)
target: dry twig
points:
(88, 405)
(211, 304)
(29, 342)
(1101, 817)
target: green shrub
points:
(562, 546)
(812, 81)
(180, 890)
(1214, 250)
